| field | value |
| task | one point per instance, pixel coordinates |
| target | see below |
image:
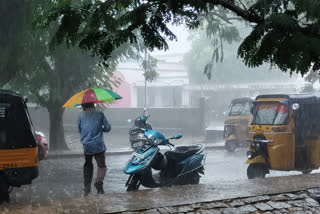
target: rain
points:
(185, 117)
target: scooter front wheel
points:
(256, 170)
(231, 145)
(134, 183)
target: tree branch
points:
(246, 15)
(243, 5)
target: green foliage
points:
(12, 29)
(288, 37)
(149, 64)
(219, 28)
(49, 77)
(102, 26)
(285, 32)
(229, 71)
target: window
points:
(271, 113)
(240, 109)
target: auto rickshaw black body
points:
(18, 146)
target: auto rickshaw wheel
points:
(256, 170)
(305, 172)
(4, 190)
(231, 145)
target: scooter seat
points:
(182, 152)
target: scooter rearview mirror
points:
(177, 136)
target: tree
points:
(208, 44)
(230, 70)
(50, 76)
(54, 76)
(285, 32)
(12, 19)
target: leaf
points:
(208, 69)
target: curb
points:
(77, 154)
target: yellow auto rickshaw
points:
(236, 126)
(284, 134)
(18, 146)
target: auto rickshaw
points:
(284, 134)
(18, 146)
(236, 126)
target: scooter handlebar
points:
(170, 144)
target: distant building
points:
(123, 90)
(165, 91)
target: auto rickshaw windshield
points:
(237, 109)
(270, 113)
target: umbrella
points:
(92, 95)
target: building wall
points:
(186, 121)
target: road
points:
(62, 178)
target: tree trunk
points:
(57, 140)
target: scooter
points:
(179, 166)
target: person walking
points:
(91, 125)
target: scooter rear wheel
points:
(194, 178)
(190, 178)
(134, 183)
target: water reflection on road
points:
(62, 178)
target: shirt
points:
(91, 125)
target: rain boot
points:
(99, 187)
(87, 175)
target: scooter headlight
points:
(153, 139)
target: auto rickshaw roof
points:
(241, 100)
(9, 95)
(294, 98)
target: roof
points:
(9, 93)
(7, 96)
(298, 98)
(242, 99)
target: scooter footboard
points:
(192, 163)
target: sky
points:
(179, 47)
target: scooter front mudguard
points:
(231, 137)
(257, 159)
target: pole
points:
(145, 83)
(174, 96)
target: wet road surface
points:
(62, 178)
